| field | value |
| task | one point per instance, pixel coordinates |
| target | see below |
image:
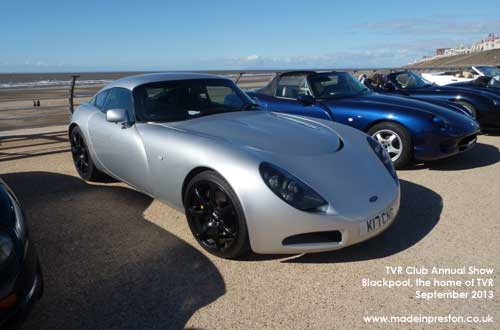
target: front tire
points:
(396, 140)
(215, 216)
(469, 107)
(83, 161)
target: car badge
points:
(373, 199)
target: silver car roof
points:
(134, 81)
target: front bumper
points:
(336, 231)
(19, 295)
(432, 146)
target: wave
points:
(51, 83)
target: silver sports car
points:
(247, 179)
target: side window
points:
(160, 102)
(404, 80)
(291, 86)
(119, 98)
(100, 99)
(223, 95)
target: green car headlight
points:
(290, 189)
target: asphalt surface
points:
(114, 258)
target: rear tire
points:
(83, 161)
(396, 140)
(215, 216)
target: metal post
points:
(239, 76)
(72, 93)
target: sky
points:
(91, 35)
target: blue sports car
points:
(484, 105)
(408, 129)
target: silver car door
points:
(118, 146)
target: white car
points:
(451, 77)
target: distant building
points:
(440, 51)
(491, 42)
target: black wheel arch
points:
(385, 120)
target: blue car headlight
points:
(383, 156)
(290, 189)
(443, 126)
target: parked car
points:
(488, 80)
(461, 77)
(408, 129)
(483, 105)
(246, 179)
(21, 282)
(445, 78)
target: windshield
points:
(489, 71)
(411, 80)
(335, 84)
(495, 82)
(186, 99)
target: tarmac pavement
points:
(114, 258)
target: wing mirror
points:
(482, 81)
(305, 99)
(117, 116)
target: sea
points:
(19, 81)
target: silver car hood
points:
(266, 132)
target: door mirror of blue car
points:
(305, 99)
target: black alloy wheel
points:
(82, 159)
(215, 217)
(80, 154)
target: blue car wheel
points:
(469, 107)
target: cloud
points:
(370, 57)
(432, 26)
(252, 57)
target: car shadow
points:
(104, 265)
(419, 212)
(481, 155)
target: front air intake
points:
(333, 236)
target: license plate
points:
(376, 223)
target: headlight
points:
(443, 126)
(383, 156)
(6, 247)
(290, 189)
(496, 103)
